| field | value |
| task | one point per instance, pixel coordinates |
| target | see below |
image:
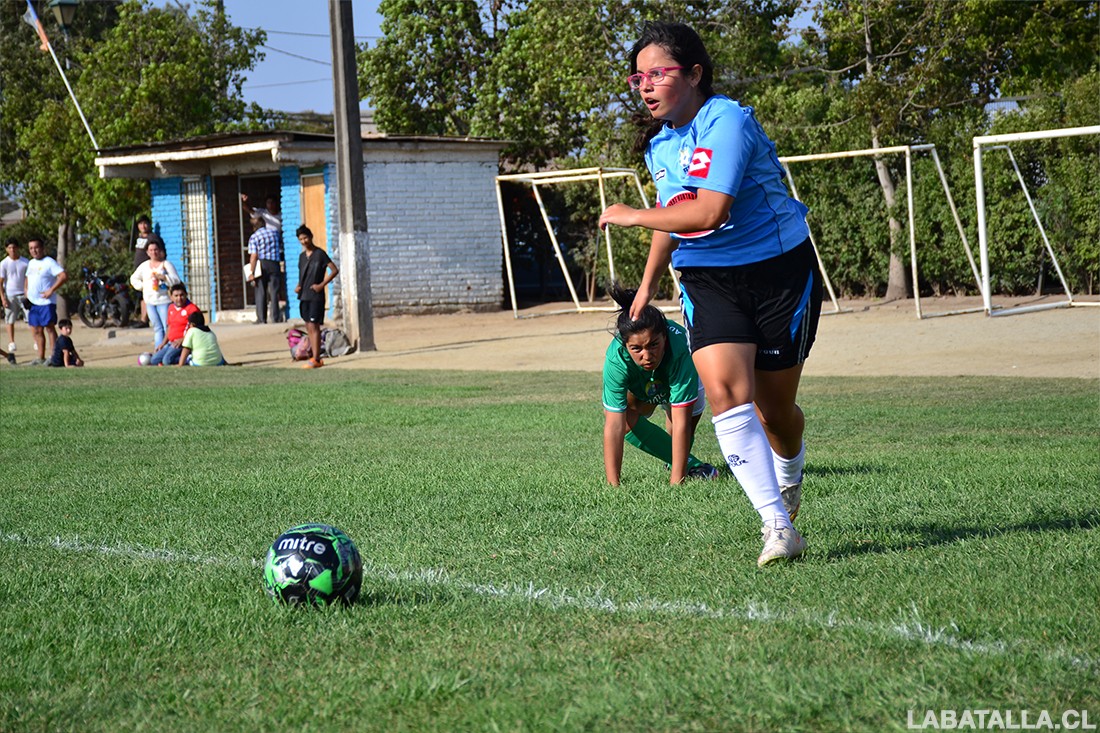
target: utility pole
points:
(354, 245)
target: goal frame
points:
(549, 178)
(908, 151)
(1001, 142)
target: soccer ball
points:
(144, 358)
(313, 564)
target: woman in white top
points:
(153, 278)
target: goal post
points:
(550, 178)
(1000, 142)
(907, 151)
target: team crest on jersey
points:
(700, 163)
(657, 392)
(685, 158)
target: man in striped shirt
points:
(265, 250)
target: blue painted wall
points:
(290, 200)
(167, 216)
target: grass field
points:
(952, 564)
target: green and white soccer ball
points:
(313, 564)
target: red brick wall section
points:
(232, 234)
(227, 214)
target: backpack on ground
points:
(298, 341)
(334, 342)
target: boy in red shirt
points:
(179, 310)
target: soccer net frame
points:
(550, 178)
(1000, 142)
(908, 151)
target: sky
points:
(296, 73)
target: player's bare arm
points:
(660, 255)
(683, 432)
(708, 210)
(614, 432)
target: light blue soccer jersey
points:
(724, 149)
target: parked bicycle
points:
(106, 300)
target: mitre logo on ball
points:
(313, 564)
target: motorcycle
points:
(106, 300)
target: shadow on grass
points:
(920, 536)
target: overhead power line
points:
(287, 83)
(307, 35)
(297, 56)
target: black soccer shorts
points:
(312, 311)
(775, 304)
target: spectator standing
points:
(153, 278)
(315, 271)
(13, 281)
(270, 212)
(272, 215)
(44, 278)
(265, 248)
(144, 237)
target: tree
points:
(141, 74)
(424, 74)
(903, 65)
(548, 76)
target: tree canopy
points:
(141, 73)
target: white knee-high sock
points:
(745, 446)
(788, 471)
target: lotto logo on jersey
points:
(700, 163)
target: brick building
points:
(432, 220)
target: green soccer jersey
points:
(674, 382)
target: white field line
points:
(908, 628)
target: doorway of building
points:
(232, 230)
(313, 214)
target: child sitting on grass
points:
(64, 352)
(200, 345)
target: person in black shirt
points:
(315, 271)
(64, 352)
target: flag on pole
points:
(32, 20)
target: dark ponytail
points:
(651, 317)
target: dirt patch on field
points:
(865, 338)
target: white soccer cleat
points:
(792, 497)
(780, 544)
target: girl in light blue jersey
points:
(750, 285)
